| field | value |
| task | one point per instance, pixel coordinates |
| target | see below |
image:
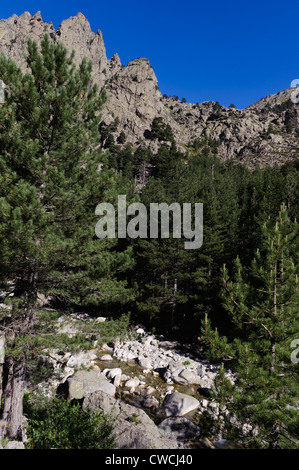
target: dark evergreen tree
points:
(160, 130)
(51, 180)
(169, 276)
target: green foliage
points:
(160, 130)
(121, 138)
(134, 418)
(50, 180)
(263, 308)
(58, 424)
(283, 106)
(52, 177)
(44, 337)
(204, 144)
(270, 129)
(217, 107)
(50, 184)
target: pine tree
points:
(51, 179)
(263, 306)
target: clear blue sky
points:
(227, 51)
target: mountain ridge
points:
(264, 133)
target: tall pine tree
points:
(263, 307)
(51, 178)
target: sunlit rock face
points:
(259, 135)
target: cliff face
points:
(75, 33)
(262, 134)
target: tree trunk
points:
(273, 340)
(274, 444)
(12, 416)
(11, 423)
(2, 360)
(174, 303)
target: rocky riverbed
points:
(160, 389)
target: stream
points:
(152, 379)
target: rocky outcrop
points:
(133, 428)
(16, 445)
(75, 33)
(256, 136)
(83, 382)
(134, 97)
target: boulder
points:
(84, 382)
(101, 319)
(140, 331)
(114, 372)
(14, 445)
(149, 402)
(179, 404)
(201, 370)
(185, 376)
(145, 362)
(181, 429)
(106, 357)
(132, 383)
(117, 380)
(132, 426)
(77, 360)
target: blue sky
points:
(227, 51)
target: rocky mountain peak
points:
(264, 133)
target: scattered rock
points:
(80, 359)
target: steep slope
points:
(262, 134)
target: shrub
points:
(59, 424)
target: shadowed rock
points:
(181, 429)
